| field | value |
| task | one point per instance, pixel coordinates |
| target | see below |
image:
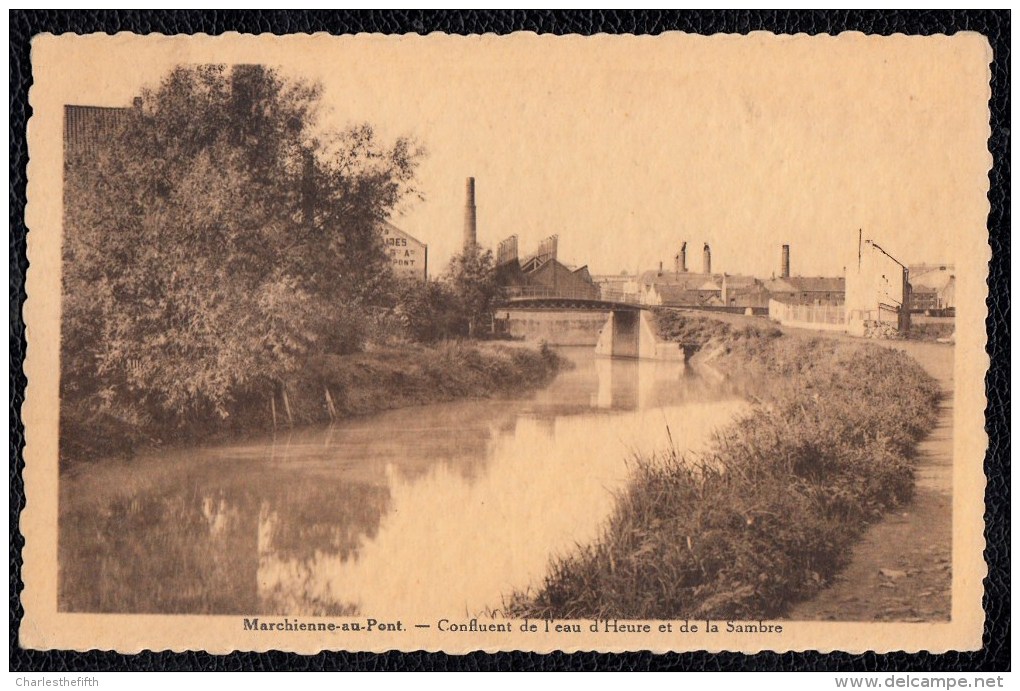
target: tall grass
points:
(767, 515)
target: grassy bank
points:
(932, 330)
(327, 387)
(768, 514)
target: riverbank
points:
(901, 570)
(328, 387)
(767, 517)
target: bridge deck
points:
(561, 303)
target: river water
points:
(439, 509)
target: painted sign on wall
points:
(408, 256)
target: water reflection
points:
(439, 508)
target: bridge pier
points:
(630, 333)
(616, 329)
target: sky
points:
(625, 147)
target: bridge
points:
(571, 303)
(543, 297)
(616, 329)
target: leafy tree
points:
(472, 278)
(429, 311)
(215, 239)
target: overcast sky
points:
(626, 147)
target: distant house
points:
(671, 295)
(676, 289)
(807, 290)
(409, 257)
(923, 298)
(688, 289)
(925, 278)
(743, 291)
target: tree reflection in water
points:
(314, 522)
(188, 551)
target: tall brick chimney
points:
(470, 218)
(707, 259)
(683, 258)
(785, 273)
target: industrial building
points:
(877, 291)
(539, 275)
(932, 287)
(704, 289)
(681, 287)
(807, 290)
(86, 128)
(542, 275)
(804, 290)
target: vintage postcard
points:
(457, 343)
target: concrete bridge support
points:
(631, 334)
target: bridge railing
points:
(543, 292)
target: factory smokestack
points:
(683, 258)
(707, 259)
(785, 272)
(470, 218)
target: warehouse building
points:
(542, 275)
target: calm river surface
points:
(440, 509)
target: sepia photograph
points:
(506, 342)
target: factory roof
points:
(932, 276)
(659, 278)
(738, 282)
(677, 295)
(806, 284)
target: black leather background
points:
(993, 24)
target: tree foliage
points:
(429, 312)
(472, 278)
(216, 238)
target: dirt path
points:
(901, 570)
